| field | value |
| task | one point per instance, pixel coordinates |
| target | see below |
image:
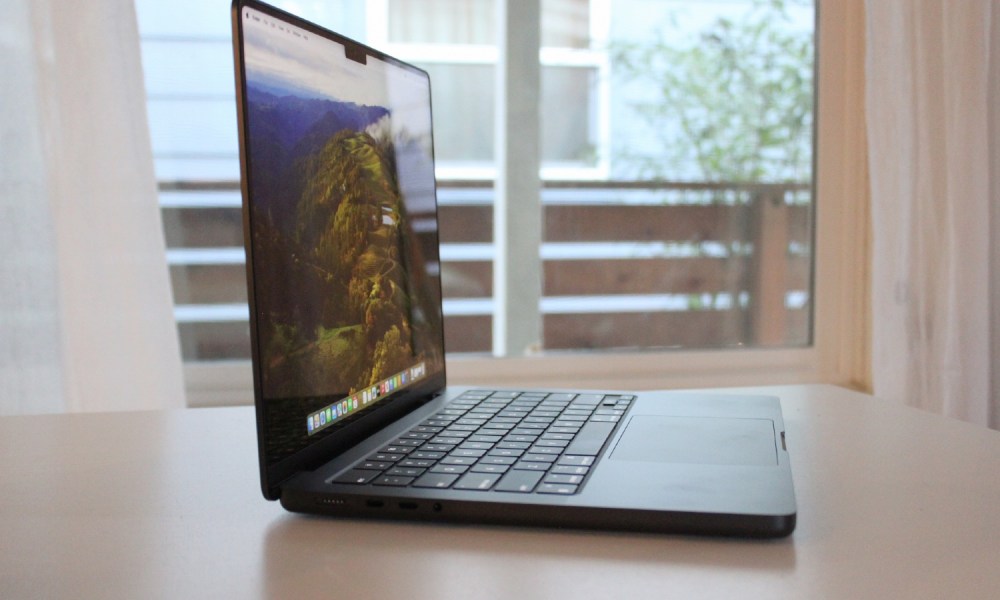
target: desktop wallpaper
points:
(340, 173)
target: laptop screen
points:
(342, 230)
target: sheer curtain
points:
(933, 97)
(86, 319)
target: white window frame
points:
(840, 353)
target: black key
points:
(576, 461)
(454, 441)
(385, 456)
(458, 460)
(547, 443)
(497, 460)
(356, 476)
(417, 463)
(565, 470)
(467, 452)
(405, 472)
(407, 442)
(476, 446)
(514, 445)
(545, 458)
(605, 419)
(590, 439)
(392, 480)
(519, 481)
(454, 469)
(422, 454)
(375, 465)
(437, 447)
(556, 488)
(488, 468)
(396, 449)
(506, 452)
(477, 481)
(555, 478)
(532, 466)
(435, 480)
(492, 439)
(425, 429)
(521, 438)
(539, 449)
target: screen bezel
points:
(395, 405)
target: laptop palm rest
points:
(698, 440)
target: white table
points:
(893, 503)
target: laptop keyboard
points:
(521, 442)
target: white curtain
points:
(933, 101)
(86, 321)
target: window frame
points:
(840, 353)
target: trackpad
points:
(698, 440)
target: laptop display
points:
(343, 227)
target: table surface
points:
(893, 503)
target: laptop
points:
(354, 415)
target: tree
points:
(736, 105)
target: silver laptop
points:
(354, 415)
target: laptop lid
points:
(340, 228)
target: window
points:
(633, 257)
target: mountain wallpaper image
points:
(343, 298)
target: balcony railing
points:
(625, 265)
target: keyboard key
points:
(538, 449)
(416, 463)
(605, 419)
(476, 445)
(375, 465)
(497, 460)
(392, 480)
(356, 476)
(458, 460)
(572, 479)
(547, 443)
(556, 488)
(564, 470)
(514, 445)
(385, 456)
(506, 452)
(544, 458)
(405, 472)
(454, 441)
(477, 481)
(437, 447)
(453, 469)
(467, 452)
(395, 449)
(488, 468)
(435, 480)
(519, 481)
(532, 466)
(422, 454)
(407, 442)
(576, 461)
